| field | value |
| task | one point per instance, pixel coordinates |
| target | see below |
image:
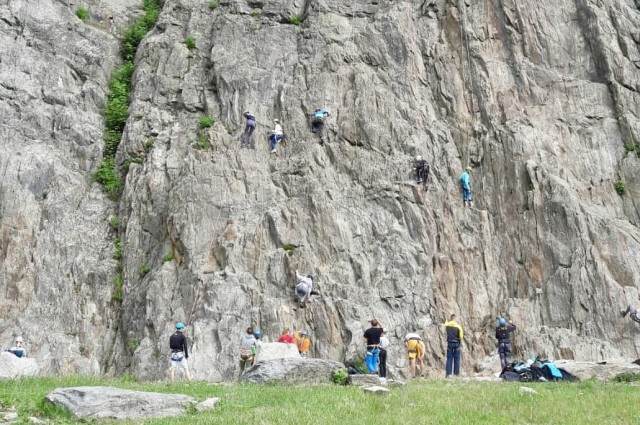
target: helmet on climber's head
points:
(245, 113)
(304, 333)
(502, 322)
(310, 276)
(19, 339)
(179, 326)
(418, 158)
(468, 168)
(277, 121)
(257, 334)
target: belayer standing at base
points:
(318, 123)
(454, 340)
(503, 335)
(249, 127)
(179, 352)
(372, 339)
(247, 349)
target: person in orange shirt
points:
(303, 342)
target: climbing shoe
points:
(273, 151)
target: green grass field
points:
(428, 402)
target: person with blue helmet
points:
(250, 126)
(503, 335)
(248, 343)
(318, 118)
(179, 352)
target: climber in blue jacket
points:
(317, 123)
(465, 185)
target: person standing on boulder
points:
(18, 349)
(179, 352)
(249, 127)
(304, 286)
(276, 135)
(383, 346)
(503, 335)
(372, 338)
(247, 349)
(303, 342)
(318, 123)
(454, 339)
(286, 337)
(465, 185)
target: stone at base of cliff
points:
(208, 404)
(363, 380)
(267, 351)
(292, 371)
(116, 403)
(377, 390)
(603, 371)
(12, 367)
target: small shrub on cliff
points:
(118, 295)
(205, 122)
(108, 177)
(213, 4)
(294, 20)
(203, 142)
(255, 14)
(117, 253)
(82, 14)
(114, 222)
(144, 269)
(168, 257)
(190, 42)
(620, 187)
(340, 377)
(148, 144)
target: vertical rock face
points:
(540, 100)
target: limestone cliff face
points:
(541, 99)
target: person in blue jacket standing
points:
(465, 185)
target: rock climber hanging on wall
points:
(318, 123)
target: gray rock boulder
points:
(604, 371)
(364, 380)
(116, 403)
(292, 371)
(12, 367)
(276, 350)
(207, 404)
(377, 390)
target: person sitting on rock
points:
(317, 123)
(415, 350)
(276, 135)
(247, 349)
(303, 342)
(422, 169)
(249, 127)
(304, 286)
(286, 337)
(372, 338)
(634, 313)
(503, 335)
(18, 349)
(179, 352)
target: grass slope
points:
(430, 402)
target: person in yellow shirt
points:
(454, 339)
(303, 342)
(415, 349)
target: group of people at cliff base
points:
(249, 345)
(318, 118)
(377, 344)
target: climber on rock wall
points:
(304, 287)
(277, 134)
(465, 185)
(421, 167)
(634, 313)
(503, 335)
(250, 126)
(318, 123)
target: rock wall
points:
(540, 100)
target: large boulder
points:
(12, 367)
(116, 403)
(364, 380)
(293, 371)
(603, 371)
(276, 350)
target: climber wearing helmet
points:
(276, 135)
(248, 348)
(249, 127)
(179, 352)
(634, 313)
(503, 332)
(421, 167)
(17, 349)
(304, 286)
(465, 185)
(317, 123)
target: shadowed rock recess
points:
(540, 98)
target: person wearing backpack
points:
(249, 127)
(247, 349)
(179, 352)
(503, 335)
(421, 167)
(317, 123)
(277, 134)
(465, 185)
